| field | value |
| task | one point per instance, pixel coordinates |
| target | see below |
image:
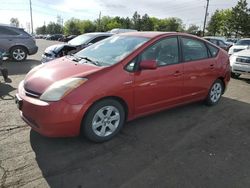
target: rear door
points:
(199, 68)
(159, 88)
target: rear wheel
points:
(215, 93)
(235, 75)
(18, 53)
(103, 121)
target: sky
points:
(45, 11)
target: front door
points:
(159, 88)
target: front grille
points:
(47, 54)
(243, 59)
(32, 93)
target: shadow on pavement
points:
(245, 79)
(188, 146)
(5, 90)
(17, 68)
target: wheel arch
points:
(19, 45)
(222, 79)
(116, 98)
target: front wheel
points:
(18, 53)
(103, 121)
(215, 93)
(235, 75)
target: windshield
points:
(243, 42)
(113, 49)
(80, 40)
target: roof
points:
(245, 39)
(99, 34)
(149, 34)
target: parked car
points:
(242, 44)
(231, 41)
(240, 63)
(219, 42)
(73, 46)
(54, 37)
(95, 91)
(67, 38)
(16, 42)
(117, 30)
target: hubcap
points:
(106, 121)
(19, 54)
(215, 93)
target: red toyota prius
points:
(95, 91)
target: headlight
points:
(59, 89)
(233, 59)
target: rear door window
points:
(193, 49)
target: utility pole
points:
(31, 19)
(205, 20)
(99, 21)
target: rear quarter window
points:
(7, 31)
(213, 50)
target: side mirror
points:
(148, 64)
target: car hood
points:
(56, 48)
(245, 53)
(239, 47)
(42, 76)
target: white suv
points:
(242, 44)
(240, 63)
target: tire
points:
(235, 75)
(215, 93)
(98, 125)
(18, 53)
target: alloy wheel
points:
(106, 121)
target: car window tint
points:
(165, 52)
(213, 50)
(193, 49)
(6, 31)
(98, 39)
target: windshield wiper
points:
(77, 58)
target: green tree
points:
(170, 24)
(146, 23)
(54, 28)
(136, 21)
(215, 23)
(72, 27)
(240, 23)
(14, 22)
(41, 30)
(193, 29)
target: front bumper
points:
(241, 68)
(51, 119)
(46, 59)
(33, 50)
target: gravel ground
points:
(189, 146)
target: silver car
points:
(73, 46)
(16, 42)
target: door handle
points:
(177, 73)
(212, 66)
